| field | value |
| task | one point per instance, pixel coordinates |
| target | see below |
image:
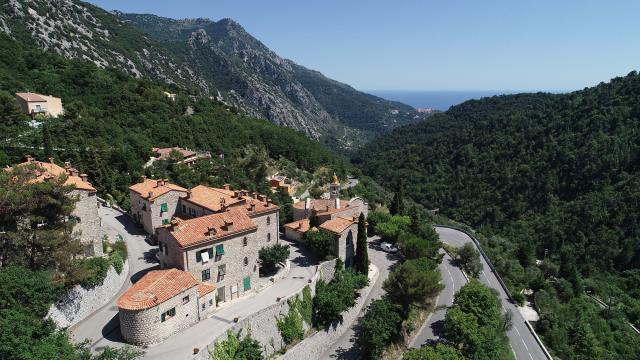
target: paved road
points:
(104, 321)
(345, 347)
(522, 342)
(453, 280)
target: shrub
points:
(97, 268)
(336, 296)
(232, 348)
(378, 327)
(117, 261)
(121, 247)
(322, 242)
(291, 326)
(272, 255)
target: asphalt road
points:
(345, 347)
(104, 322)
(523, 343)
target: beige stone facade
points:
(88, 226)
(162, 303)
(154, 203)
(34, 104)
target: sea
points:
(437, 100)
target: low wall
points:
(316, 345)
(262, 324)
(78, 303)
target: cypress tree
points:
(362, 255)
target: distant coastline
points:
(438, 100)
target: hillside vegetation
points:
(112, 120)
(549, 177)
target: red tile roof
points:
(165, 152)
(31, 97)
(155, 187)
(210, 227)
(337, 225)
(205, 288)
(325, 206)
(301, 226)
(156, 287)
(49, 170)
(212, 198)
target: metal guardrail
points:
(502, 284)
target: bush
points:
(97, 268)
(117, 261)
(232, 348)
(272, 255)
(336, 296)
(322, 242)
(120, 246)
(291, 325)
(378, 327)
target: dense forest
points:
(112, 121)
(552, 184)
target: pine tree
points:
(362, 255)
(397, 204)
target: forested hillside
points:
(112, 121)
(548, 177)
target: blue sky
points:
(435, 45)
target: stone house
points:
(85, 212)
(334, 215)
(154, 202)
(200, 201)
(187, 157)
(220, 249)
(34, 104)
(162, 303)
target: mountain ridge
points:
(218, 59)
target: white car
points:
(386, 247)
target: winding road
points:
(522, 341)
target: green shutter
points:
(210, 250)
(164, 207)
(247, 283)
(165, 221)
(220, 249)
(162, 317)
(198, 256)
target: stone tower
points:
(334, 188)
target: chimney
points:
(255, 195)
(84, 177)
(28, 158)
(262, 198)
(268, 202)
(228, 225)
(211, 231)
(337, 203)
(189, 193)
(143, 178)
(51, 159)
(159, 182)
(150, 194)
(226, 186)
(307, 203)
(299, 225)
(67, 165)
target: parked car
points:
(389, 248)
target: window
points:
(269, 237)
(204, 255)
(168, 314)
(203, 306)
(246, 261)
(144, 207)
(206, 274)
(268, 220)
(244, 241)
(247, 283)
(164, 249)
(164, 207)
(165, 221)
(210, 302)
(185, 300)
(184, 209)
(219, 252)
(222, 270)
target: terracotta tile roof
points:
(212, 198)
(325, 206)
(156, 287)
(337, 225)
(205, 288)
(256, 207)
(49, 170)
(165, 152)
(301, 226)
(31, 97)
(210, 227)
(156, 187)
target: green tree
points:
(397, 204)
(234, 348)
(438, 352)
(412, 282)
(270, 256)
(469, 259)
(322, 242)
(362, 253)
(378, 327)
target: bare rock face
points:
(215, 59)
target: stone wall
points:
(144, 327)
(78, 303)
(316, 345)
(262, 324)
(88, 227)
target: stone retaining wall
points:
(314, 346)
(262, 324)
(78, 303)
